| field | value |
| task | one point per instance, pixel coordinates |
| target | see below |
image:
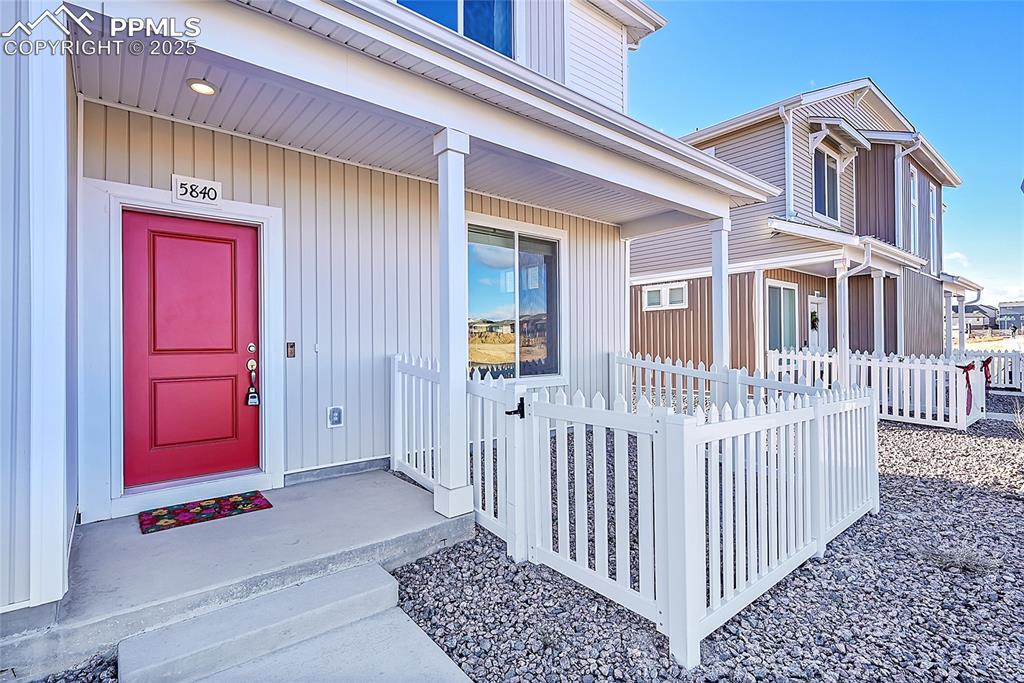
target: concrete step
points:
(386, 647)
(224, 638)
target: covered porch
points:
(361, 177)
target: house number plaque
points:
(188, 190)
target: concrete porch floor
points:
(122, 582)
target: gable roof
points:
(875, 97)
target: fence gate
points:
(594, 496)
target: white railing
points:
(415, 430)
(806, 366)
(684, 388)
(684, 519)
(931, 391)
(1006, 369)
(763, 488)
(918, 390)
(725, 504)
(494, 440)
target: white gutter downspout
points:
(898, 176)
(843, 315)
(787, 121)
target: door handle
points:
(252, 378)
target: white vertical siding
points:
(360, 282)
(15, 341)
(595, 55)
(542, 47)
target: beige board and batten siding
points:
(359, 252)
(685, 333)
(542, 48)
(760, 150)
(595, 54)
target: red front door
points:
(190, 314)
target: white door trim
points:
(101, 473)
(823, 319)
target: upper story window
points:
(666, 297)
(933, 227)
(826, 184)
(915, 226)
(513, 303)
(488, 22)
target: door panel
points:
(190, 292)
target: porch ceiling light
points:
(202, 87)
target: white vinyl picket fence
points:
(415, 430)
(805, 365)
(682, 518)
(684, 388)
(914, 389)
(1006, 369)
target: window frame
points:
(664, 288)
(460, 23)
(933, 228)
(561, 238)
(782, 284)
(839, 186)
(915, 213)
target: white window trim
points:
(915, 215)
(664, 287)
(561, 237)
(839, 188)
(818, 299)
(768, 283)
(933, 227)
(461, 29)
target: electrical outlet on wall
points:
(335, 417)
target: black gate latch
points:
(519, 410)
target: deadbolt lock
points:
(250, 365)
(252, 347)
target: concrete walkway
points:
(385, 647)
(122, 583)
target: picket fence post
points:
(686, 554)
(518, 482)
(819, 522)
(873, 452)
(397, 404)
(733, 383)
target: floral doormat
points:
(183, 514)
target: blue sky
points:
(956, 70)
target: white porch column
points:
(878, 282)
(949, 322)
(843, 322)
(961, 318)
(900, 315)
(721, 339)
(453, 495)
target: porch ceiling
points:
(260, 104)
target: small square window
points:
(677, 296)
(653, 298)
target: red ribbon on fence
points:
(988, 371)
(970, 394)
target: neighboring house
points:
(1011, 315)
(976, 317)
(221, 250)
(856, 236)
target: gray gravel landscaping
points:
(1002, 403)
(930, 589)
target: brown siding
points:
(876, 206)
(862, 314)
(685, 333)
(806, 285)
(924, 237)
(922, 301)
